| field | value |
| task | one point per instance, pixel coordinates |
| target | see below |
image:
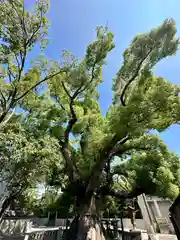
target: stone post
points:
(145, 213)
(157, 209)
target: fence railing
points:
(24, 229)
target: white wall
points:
(164, 208)
(127, 224)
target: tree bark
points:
(5, 206)
(86, 225)
(122, 228)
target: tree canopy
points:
(61, 133)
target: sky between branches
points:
(73, 24)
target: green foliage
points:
(109, 207)
(20, 30)
(145, 51)
(61, 138)
(154, 171)
(149, 103)
(26, 160)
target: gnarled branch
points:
(72, 121)
(133, 77)
(122, 194)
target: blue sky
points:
(73, 24)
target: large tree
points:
(67, 108)
(69, 111)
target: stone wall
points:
(23, 229)
(162, 237)
(155, 212)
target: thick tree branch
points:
(83, 142)
(108, 163)
(72, 121)
(91, 80)
(38, 83)
(121, 194)
(14, 100)
(9, 117)
(3, 101)
(81, 89)
(65, 144)
(69, 163)
(71, 166)
(73, 118)
(8, 201)
(134, 77)
(10, 74)
(119, 150)
(11, 104)
(66, 91)
(108, 172)
(94, 178)
(58, 102)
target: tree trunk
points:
(89, 228)
(5, 206)
(122, 228)
(86, 225)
